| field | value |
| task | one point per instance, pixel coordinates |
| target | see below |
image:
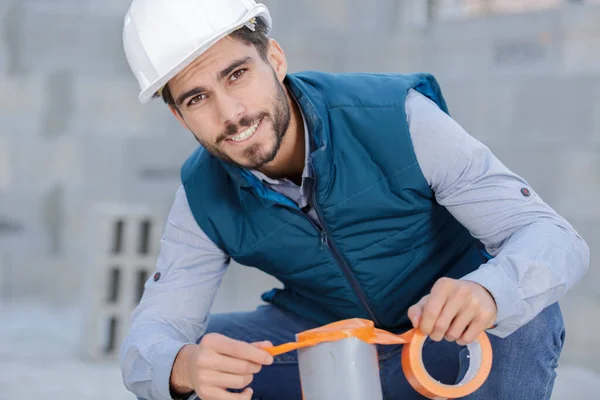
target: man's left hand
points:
(455, 310)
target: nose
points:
(230, 108)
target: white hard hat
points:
(162, 37)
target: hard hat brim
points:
(151, 91)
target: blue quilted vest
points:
(383, 239)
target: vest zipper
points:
(327, 242)
(324, 243)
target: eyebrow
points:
(221, 75)
(192, 92)
(237, 63)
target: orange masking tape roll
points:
(480, 355)
(480, 364)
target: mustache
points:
(244, 122)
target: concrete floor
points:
(39, 358)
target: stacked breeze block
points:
(123, 245)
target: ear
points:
(277, 59)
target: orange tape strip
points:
(412, 361)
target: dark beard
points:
(280, 121)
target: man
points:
(359, 193)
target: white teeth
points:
(246, 134)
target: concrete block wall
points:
(526, 85)
(73, 133)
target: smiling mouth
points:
(247, 134)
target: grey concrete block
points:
(151, 173)
(22, 229)
(596, 122)
(335, 14)
(484, 105)
(554, 109)
(577, 55)
(369, 18)
(88, 44)
(40, 276)
(123, 245)
(456, 60)
(59, 104)
(579, 181)
(528, 23)
(311, 52)
(580, 309)
(22, 103)
(399, 54)
(342, 16)
(103, 161)
(111, 107)
(142, 170)
(5, 162)
(574, 381)
(534, 111)
(113, 8)
(380, 52)
(35, 169)
(581, 33)
(38, 105)
(12, 15)
(483, 45)
(467, 103)
(532, 43)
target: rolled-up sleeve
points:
(537, 255)
(174, 308)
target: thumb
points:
(415, 312)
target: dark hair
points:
(258, 38)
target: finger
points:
(415, 312)
(211, 378)
(246, 394)
(223, 363)
(454, 305)
(433, 307)
(475, 328)
(237, 349)
(262, 345)
(214, 393)
(460, 323)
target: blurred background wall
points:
(521, 76)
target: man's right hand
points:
(216, 364)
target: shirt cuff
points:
(506, 294)
(164, 358)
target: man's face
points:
(234, 102)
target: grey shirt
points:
(538, 256)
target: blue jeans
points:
(523, 367)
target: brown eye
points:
(196, 99)
(237, 74)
